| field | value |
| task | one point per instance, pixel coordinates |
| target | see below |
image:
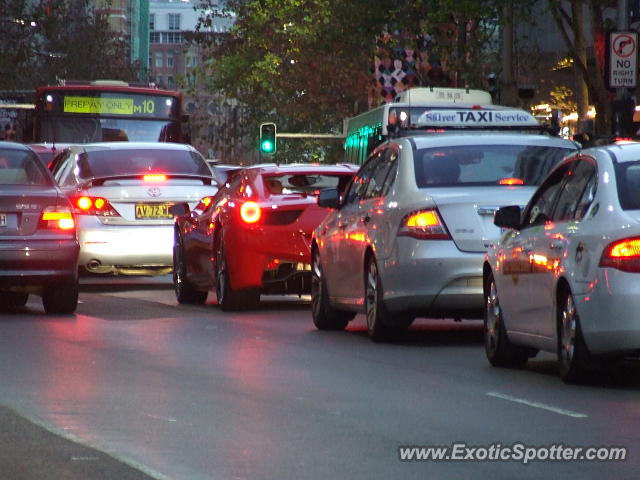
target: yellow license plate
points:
(153, 211)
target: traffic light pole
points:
(309, 135)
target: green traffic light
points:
(267, 146)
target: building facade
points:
(173, 64)
(130, 20)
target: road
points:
(192, 393)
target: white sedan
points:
(121, 193)
(409, 236)
(564, 277)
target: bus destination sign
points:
(130, 105)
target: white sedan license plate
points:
(153, 211)
(3, 219)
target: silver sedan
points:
(564, 278)
(121, 193)
(409, 236)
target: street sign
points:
(623, 60)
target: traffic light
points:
(268, 138)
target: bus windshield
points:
(85, 112)
(100, 129)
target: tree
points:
(589, 61)
(58, 39)
(308, 64)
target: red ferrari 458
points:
(254, 235)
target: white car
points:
(121, 193)
(409, 236)
(565, 277)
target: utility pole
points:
(623, 105)
(508, 88)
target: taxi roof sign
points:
(500, 117)
(434, 95)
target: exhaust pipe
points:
(93, 264)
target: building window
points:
(171, 82)
(169, 59)
(159, 59)
(154, 37)
(152, 22)
(174, 21)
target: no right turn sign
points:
(623, 59)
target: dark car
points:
(47, 152)
(38, 241)
(255, 236)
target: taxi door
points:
(560, 243)
(342, 266)
(523, 266)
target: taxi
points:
(564, 277)
(408, 238)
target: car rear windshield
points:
(19, 167)
(628, 181)
(471, 165)
(304, 183)
(106, 163)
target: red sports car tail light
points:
(204, 203)
(93, 206)
(58, 219)
(622, 255)
(250, 212)
(425, 225)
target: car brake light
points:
(93, 206)
(424, 224)
(622, 255)
(59, 219)
(511, 181)
(155, 177)
(250, 212)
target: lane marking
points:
(543, 406)
(164, 419)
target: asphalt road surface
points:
(134, 386)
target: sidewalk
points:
(29, 452)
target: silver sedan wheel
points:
(568, 332)
(371, 296)
(316, 287)
(499, 350)
(574, 360)
(493, 319)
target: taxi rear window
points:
(471, 165)
(628, 182)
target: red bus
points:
(105, 111)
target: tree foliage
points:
(307, 64)
(57, 39)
